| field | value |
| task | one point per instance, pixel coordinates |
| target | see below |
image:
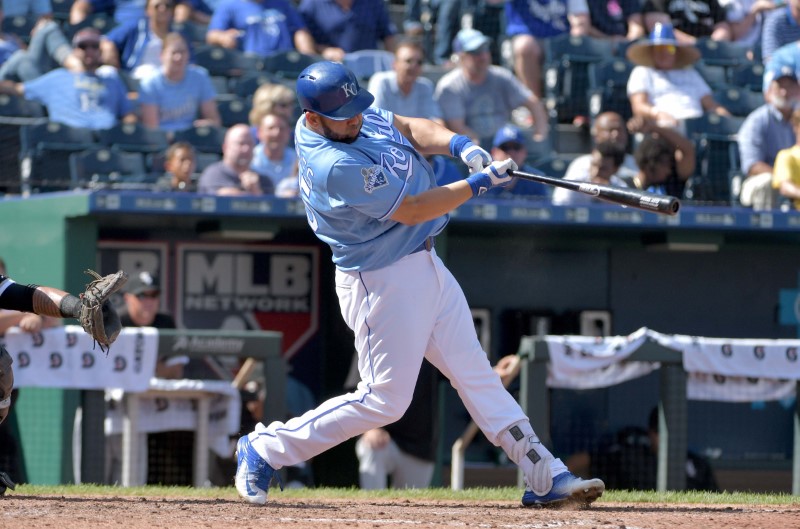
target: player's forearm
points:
(49, 301)
(432, 203)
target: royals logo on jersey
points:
(373, 178)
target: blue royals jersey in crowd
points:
(351, 191)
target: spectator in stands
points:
(403, 90)
(786, 177)
(26, 8)
(232, 175)
(447, 24)
(477, 98)
(48, 49)
(344, 26)
(527, 22)
(180, 95)
(665, 157)
(619, 21)
(781, 26)
(89, 98)
(509, 142)
(197, 11)
(606, 159)
(273, 98)
(766, 131)
(608, 126)
(136, 46)
(123, 11)
(259, 27)
(180, 163)
(663, 87)
(746, 18)
(691, 20)
(274, 158)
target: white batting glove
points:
(472, 155)
(495, 174)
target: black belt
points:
(426, 245)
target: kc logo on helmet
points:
(350, 89)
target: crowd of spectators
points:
(482, 78)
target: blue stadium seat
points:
(555, 165)
(364, 63)
(204, 139)
(716, 76)
(133, 137)
(194, 32)
(19, 26)
(612, 73)
(580, 49)
(748, 75)
(738, 101)
(44, 154)
(14, 113)
(101, 168)
(714, 138)
(246, 86)
(288, 64)
(61, 9)
(233, 110)
(721, 53)
(99, 21)
(224, 62)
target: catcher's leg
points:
(6, 384)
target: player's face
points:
(344, 131)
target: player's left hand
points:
(495, 174)
(475, 157)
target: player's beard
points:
(347, 137)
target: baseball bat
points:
(664, 204)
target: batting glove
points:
(494, 175)
(471, 154)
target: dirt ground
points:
(72, 512)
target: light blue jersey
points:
(178, 102)
(351, 191)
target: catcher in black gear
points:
(92, 309)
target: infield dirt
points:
(73, 512)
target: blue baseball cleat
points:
(567, 487)
(253, 474)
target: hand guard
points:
(97, 316)
(472, 155)
(494, 175)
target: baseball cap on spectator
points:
(778, 71)
(469, 40)
(141, 283)
(85, 36)
(508, 135)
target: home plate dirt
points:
(73, 512)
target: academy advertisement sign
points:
(234, 287)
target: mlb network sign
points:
(250, 287)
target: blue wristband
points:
(458, 143)
(479, 182)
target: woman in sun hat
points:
(663, 86)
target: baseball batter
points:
(371, 196)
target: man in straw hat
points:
(663, 87)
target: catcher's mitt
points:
(98, 317)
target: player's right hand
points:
(475, 157)
(495, 174)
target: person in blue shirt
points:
(371, 196)
(259, 27)
(24, 8)
(344, 26)
(90, 98)
(48, 49)
(509, 142)
(179, 95)
(135, 46)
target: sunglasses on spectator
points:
(413, 62)
(89, 45)
(478, 51)
(284, 104)
(511, 147)
(163, 6)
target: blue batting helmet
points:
(332, 90)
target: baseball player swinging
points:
(371, 196)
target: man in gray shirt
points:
(477, 98)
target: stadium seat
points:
(101, 167)
(566, 73)
(14, 113)
(613, 73)
(19, 26)
(224, 62)
(99, 21)
(748, 75)
(204, 139)
(233, 110)
(133, 137)
(364, 63)
(44, 155)
(288, 64)
(714, 138)
(738, 101)
(715, 76)
(714, 125)
(61, 9)
(555, 165)
(195, 33)
(246, 86)
(721, 53)
(609, 99)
